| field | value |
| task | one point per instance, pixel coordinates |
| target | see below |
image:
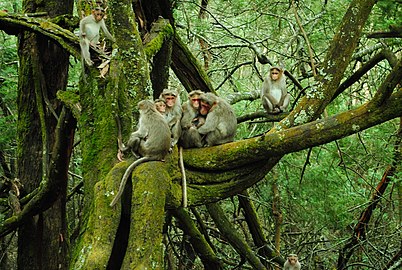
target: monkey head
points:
(207, 101)
(160, 105)
(275, 72)
(98, 13)
(292, 259)
(145, 105)
(170, 97)
(194, 98)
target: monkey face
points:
(292, 260)
(170, 100)
(205, 107)
(98, 15)
(195, 101)
(160, 107)
(275, 74)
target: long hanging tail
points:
(127, 173)
(184, 180)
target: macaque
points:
(220, 122)
(274, 96)
(191, 118)
(151, 141)
(292, 263)
(173, 113)
(89, 32)
(160, 106)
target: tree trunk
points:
(42, 240)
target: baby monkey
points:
(292, 263)
(89, 32)
(160, 106)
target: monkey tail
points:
(184, 180)
(126, 175)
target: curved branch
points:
(14, 24)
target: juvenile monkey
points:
(160, 106)
(220, 123)
(151, 141)
(274, 96)
(89, 32)
(292, 263)
(191, 118)
(173, 113)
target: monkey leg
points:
(84, 44)
(269, 104)
(285, 102)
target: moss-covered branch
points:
(15, 23)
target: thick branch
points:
(231, 235)
(188, 69)
(14, 24)
(197, 240)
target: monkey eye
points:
(170, 98)
(195, 99)
(274, 73)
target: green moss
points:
(160, 32)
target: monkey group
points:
(203, 120)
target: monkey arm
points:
(105, 31)
(211, 122)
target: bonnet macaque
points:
(191, 118)
(160, 105)
(89, 32)
(220, 123)
(274, 96)
(292, 263)
(173, 113)
(151, 141)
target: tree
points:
(130, 235)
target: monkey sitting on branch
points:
(173, 113)
(220, 122)
(292, 263)
(151, 141)
(89, 33)
(274, 96)
(191, 118)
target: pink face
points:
(204, 110)
(195, 101)
(170, 100)
(275, 73)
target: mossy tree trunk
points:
(43, 71)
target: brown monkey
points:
(292, 263)
(89, 32)
(274, 96)
(191, 118)
(173, 113)
(160, 106)
(151, 140)
(220, 123)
